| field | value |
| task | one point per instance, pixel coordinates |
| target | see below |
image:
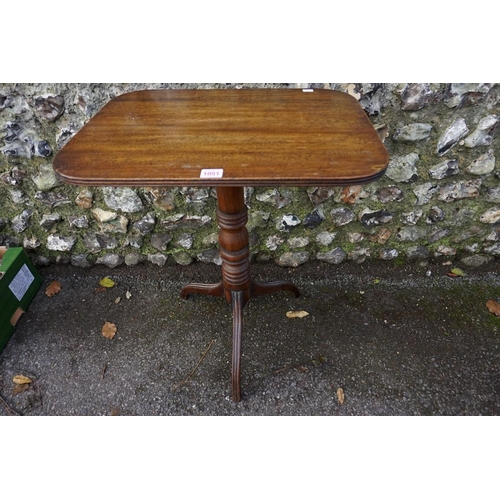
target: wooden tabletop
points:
(248, 137)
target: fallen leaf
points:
(20, 388)
(340, 395)
(109, 330)
(107, 283)
(494, 307)
(128, 294)
(296, 314)
(53, 288)
(456, 272)
(117, 300)
(21, 380)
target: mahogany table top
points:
(247, 137)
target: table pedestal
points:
(236, 284)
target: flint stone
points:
(257, 218)
(84, 198)
(445, 251)
(411, 233)
(490, 216)
(210, 256)
(465, 215)
(342, 216)
(52, 199)
(162, 198)
(444, 169)
(465, 235)
(185, 241)
(133, 259)
(417, 252)
(111, 260)
(388, 254)
(466, 93)
(78, 222)
(104, 215)
(292, 259)
(355, 237)
(158, 259)
(382, 236)
(122, 198)
(413, 132)
(18, 197)
(274, 241)
(31, 243)
(325, 238)
(415, 96)
(298, 242)
(369, 218)
(349, 195)
(493, 249)
(388, 194)
(160, 241)
(106, 242)
(485, 164)
(314, 219)
(481, 136)
(46, 178)
(287, 222)
(49, 107)
(21, 221)
(60, 243)
(40, 260)
(48, 221)
(411, 218)
(181, 221)
(194, 195)
(335, 256)
(273, 197)
(134, 240)
(318, 195)
(359, 255)
(459, 190)
(451, 136)
(435, 214)
(493, 195)
(80, 260)
(182, 258)
(212, 239)
(476, 260)
(118, 225)
(145, 225)
(403, 168)
(439, 235)
(91, 243)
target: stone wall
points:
(440, 197)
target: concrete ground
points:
(396, 340)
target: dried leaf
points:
(107, 283)
(109, 330)
(494, 307)
(340, 395)
(296, 314)
(456, 272)
(21, 380)
(20, 388)
(53, 288)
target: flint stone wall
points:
(440, 197)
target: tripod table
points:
(227, 139)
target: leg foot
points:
(237, 302)
(273, 286)
(216, 289)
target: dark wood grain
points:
(259, 137)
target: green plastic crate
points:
(19, 283)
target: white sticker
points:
(307, 90)
(21, 282)
(211, 173)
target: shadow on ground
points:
(394, 339)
